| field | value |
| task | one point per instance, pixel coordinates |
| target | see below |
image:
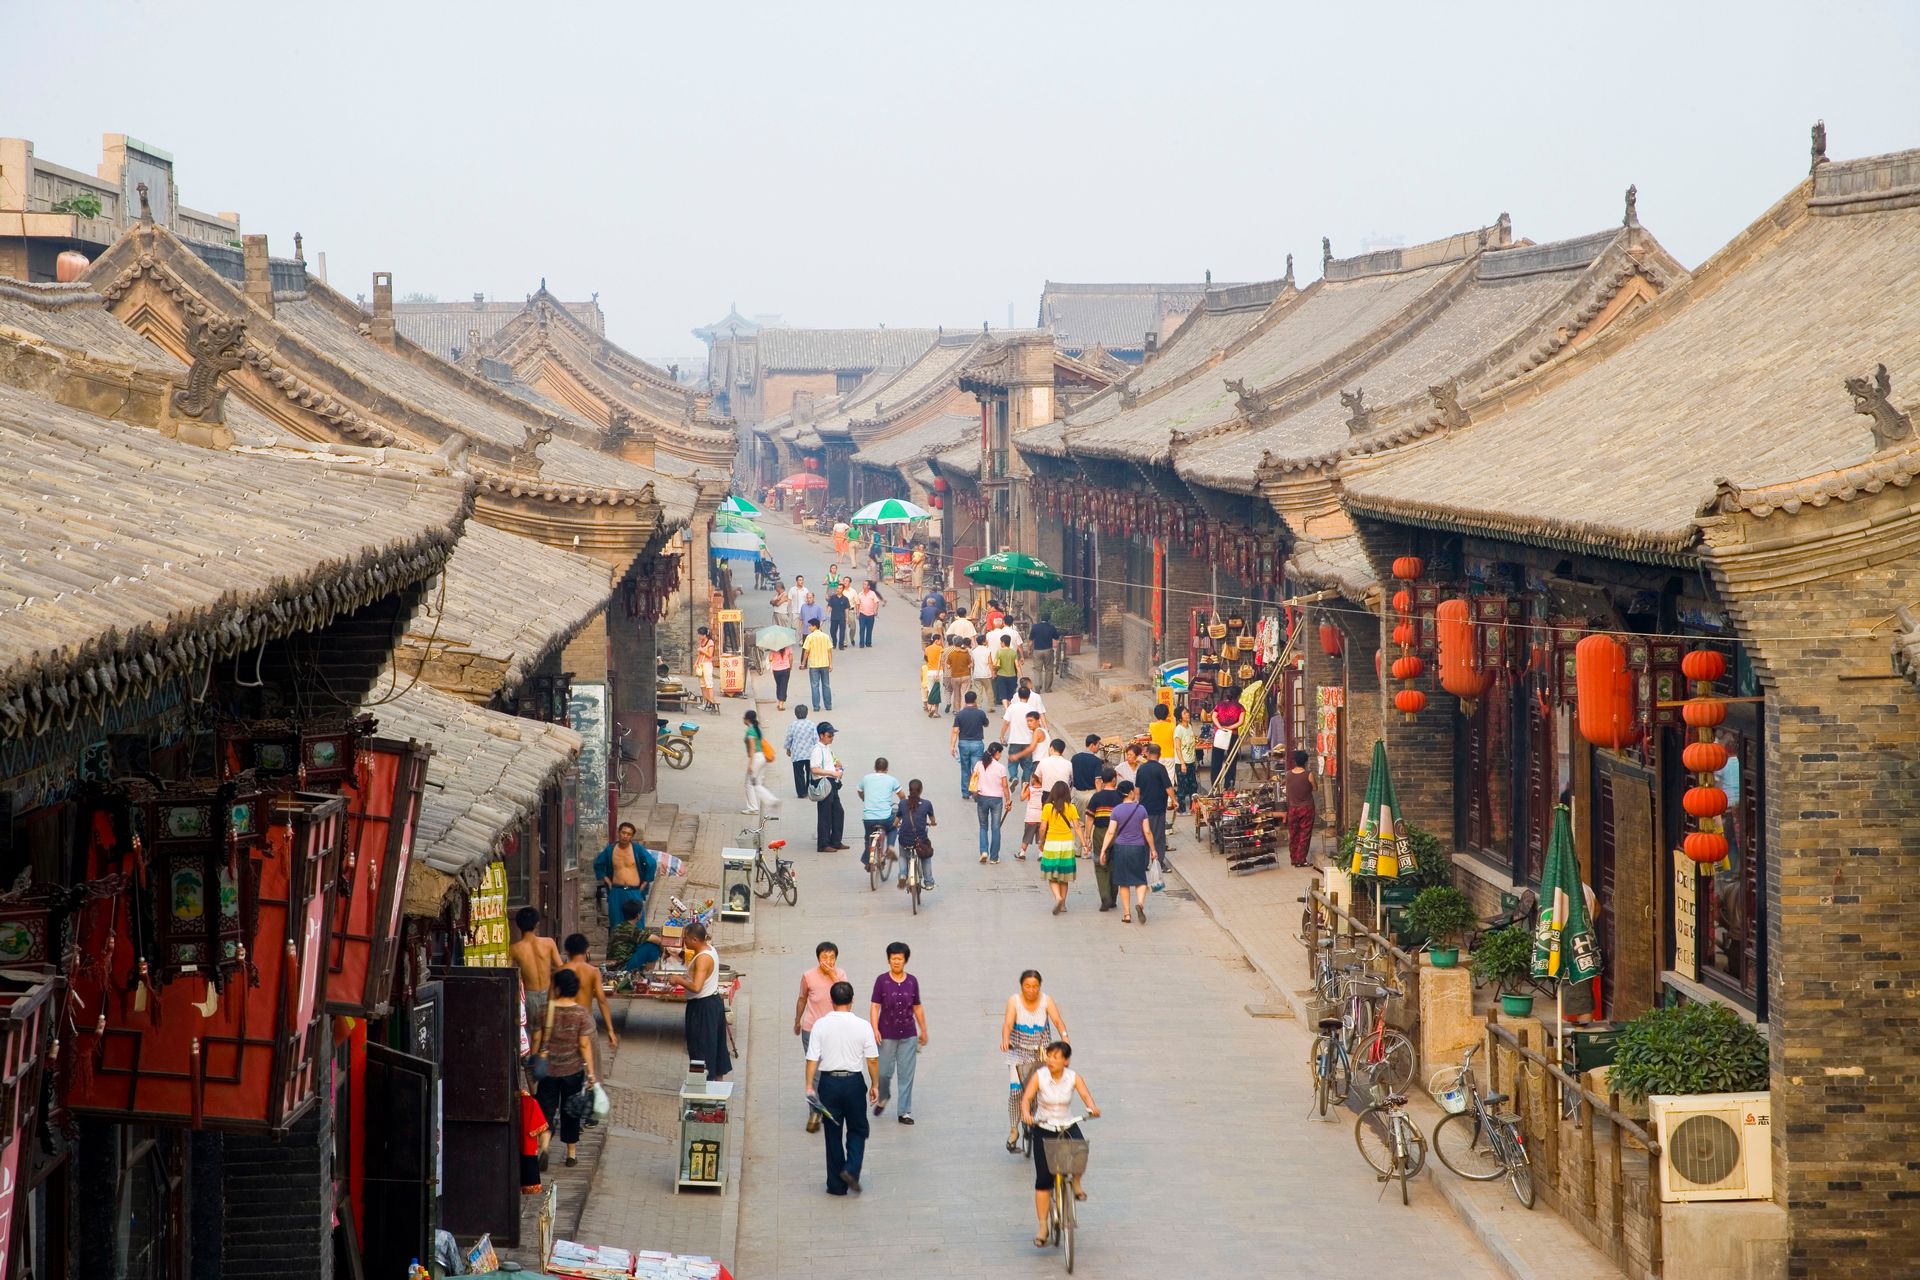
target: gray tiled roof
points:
(934, 436)
(937, 369)
(822, 349)
(485, 778)
(1115, 316)
(963, 460)
(444, 327)
(116, 541)
(1735, 373)
(1340, 563)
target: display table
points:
(569, 1260)
(703, 1133)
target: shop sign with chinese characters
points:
(1686, 891)
(487, 940)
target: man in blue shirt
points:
(626, 868)
(879, 791)
(930, 607)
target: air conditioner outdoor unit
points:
(1714, 1146)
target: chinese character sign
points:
(487, 940)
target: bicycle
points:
(910, 872)
(879, 857)
(1066, 1160)
(1474, 1141)
(1386, 1051)
(1389, 1141)
(779, 876)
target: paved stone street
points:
(1204, 1163)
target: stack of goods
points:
(589, 1262)
(1248, 828)
(1221, 659)
(649, 1264)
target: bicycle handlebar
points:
(1062, 1127)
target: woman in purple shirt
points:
(900, 1025)
(1129, 845)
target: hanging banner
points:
(487, 940)
(1326, 737)
(1686, 899)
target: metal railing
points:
(1594, 1164)
(1402, 967)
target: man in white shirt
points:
(1054, 767)
(840, 1045)
(1004, 629)
(982, 658)
(829, 817)
(962, 625)
(1024, 724)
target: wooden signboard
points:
(1686, 916)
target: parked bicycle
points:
(1389, 1140)
(1474, 1140)
(1370, 1041)
(780, 875)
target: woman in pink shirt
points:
(815, 1002)
(989, 788)
(780, 662)
(869, 605)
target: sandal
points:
(1126, 919)
(1079, 1195)
(1039, 1242)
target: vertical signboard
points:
(487, 940)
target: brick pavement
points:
(1204, 1164)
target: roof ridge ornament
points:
(1252, 400)
(217, 345)
(1632, 218)
(1287, 279)
(1874, 399)
(1359, 416)
(1819, 145)
(146, 205)
(1326, 253)
(1446, 398)
(525, 457)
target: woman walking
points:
(780, 662)
(1032, 1022)
(760, 801)
(566, 1042)
(1060, 837)
(916, 821)
(1048, 1099)
(782, 606)
(705, 652)
(1129, 846)
(989, 787)
(1186, 741)
(706, 1007)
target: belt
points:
(839, 1073)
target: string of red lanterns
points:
(1407, 667)
(1704, 802)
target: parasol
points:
(803, 480)
(775, 637)
(735, 505)
(1381, 847)
(730, 545)
(738, 524)
(1566, 951)
(890, 511)
(1013, 571)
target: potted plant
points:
(1067, 617)
(1442, 913)
(1688, 1048)
(1504, 958)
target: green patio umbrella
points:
(1381, 848)
(1013, 571)
(738, 506)
(890, 511)
(724, 523)
(1566, 950)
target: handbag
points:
(766, 750)
(819, 789)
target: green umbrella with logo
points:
(724, 523)
(1013, 571)
(1381, 848)
(1566, 950)
(735, 505)
(889, 511)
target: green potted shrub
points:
(1688, 1048)
(1067, 617)
(1442, 913)
(1504, 959)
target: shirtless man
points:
(592, 989)
(536, 957)
(626, 868)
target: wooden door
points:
(398, 1170)
(1624, 864)
(480, 1098)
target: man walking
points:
(961, 626)
(1155, 785)
(816, 653)
(1045, 638)
(900, 1025)
(1298, 788)
(801, 737)
(1017, 731)
(1086, 769)
(969, 740)
(829, 818)
(959, 669)
(536, 957)
(837, 605)
(982, 656)
(839, 1046)
(592, 990)
(1006, 667)
(870, 604)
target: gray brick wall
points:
(278, 1196)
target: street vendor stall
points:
(569, 1260)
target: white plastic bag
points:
(1156, 878)
(601, 1106)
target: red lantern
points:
(1703, 664)
(1407, 568)
(937, 502)
(1704, 802)
(1604, 689)
(1410, 701)
(939, 484)
(1459, 676)
(70, 266)
(1705, 846)
(1331, 641)
(1408, 668)
(1403, 634)
(1703, 713)
(810, 464)
(1704, 757)
(1403, 600)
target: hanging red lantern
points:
(1403, 634)
(1703, 664)
(1704, 802)
(1407, 568)
(937, 501)
(1331, 641)
(1408, 668)
(940, 484)
(811, 464)
(1403, 600)
(1410, 701)
(1604, 692)
(1704, 757)
(1703, 713)
(1459, 674)
(1705, 846)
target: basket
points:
(1449, 1090)
(1066, 1156)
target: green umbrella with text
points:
(735, 505)
(1013, 571)
(1381, 848)
(1566, 950)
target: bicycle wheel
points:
(1468, 1146)
(1387, 1056)
(678, 755)
(1519, 1165)
(1064, 1198)
(762, 880)
(790, 889)
(1372, 1133)
(913, 883)
(873, 864)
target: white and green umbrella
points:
(728, 545)
(1566, 949)
(1381, 847)
(724, 523)
(891, 511)
(735, 505)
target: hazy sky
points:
(903, 163)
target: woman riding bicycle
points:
(911, 829)
(1048, 1100)
(1032, 1022)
